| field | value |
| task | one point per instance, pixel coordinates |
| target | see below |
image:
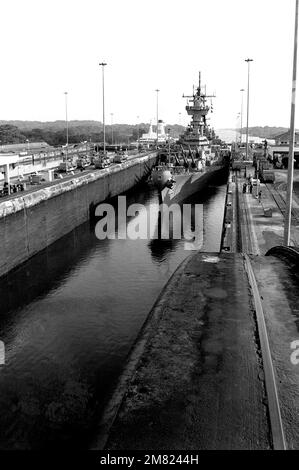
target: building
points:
(151, 136)
(7, 163)
(284, 139)
(279, 153)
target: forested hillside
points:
(54, 133)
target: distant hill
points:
(92, 125)
(59, 125)
(265, 132)
(53, 125)
(54, 132)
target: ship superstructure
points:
(154, 137)
(187, 170)
(198, 133)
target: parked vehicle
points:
(65, 167)
(35, 179)
(101, 161)
(120, 157)
(267, 176)
(82, 163)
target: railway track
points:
(278, 426)
(281, 204)
(238, 219)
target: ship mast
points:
(197, 108)
(199, 82)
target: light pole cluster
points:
(103, 64)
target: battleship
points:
(197, 157)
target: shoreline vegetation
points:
(54, 132)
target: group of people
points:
(247, 186)
(12, 188)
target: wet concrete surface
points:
(198, 382)
(278, 287)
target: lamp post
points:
(138, 129)
(248, 63)
(67, 124)
(238, 117)
(288, 217)
(157, 91)
(111, 114)
(242, 96)
(102, 64)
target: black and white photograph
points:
(149, 229)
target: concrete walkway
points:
(278, 287)
(199, 380)
(259, 232)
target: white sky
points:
(52, 46)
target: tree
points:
(11, 135)
(139, 133)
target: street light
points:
(111, 114)
(238, 117)
(102, 64)
(248, 63)
(137, 128)
(157, 91)
(67, 124)
(288, 217)
(242, 91)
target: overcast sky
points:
(52, 46)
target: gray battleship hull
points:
(188, 184)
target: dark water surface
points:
(68, 318)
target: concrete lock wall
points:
(31, 222)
